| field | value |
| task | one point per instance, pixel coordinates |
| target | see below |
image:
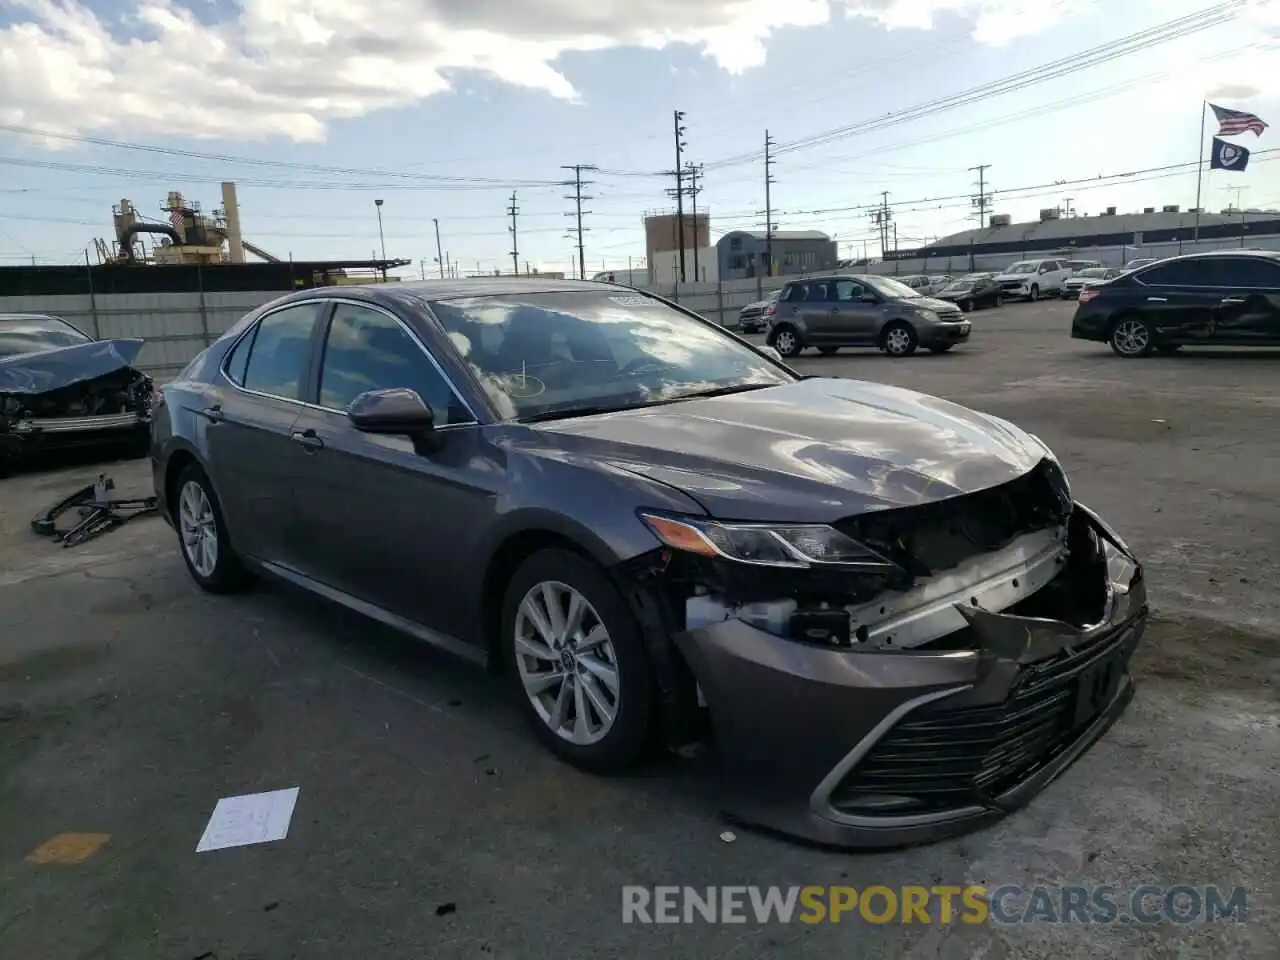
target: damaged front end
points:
(937, 670)
(87, 394)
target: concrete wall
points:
(664, 268)
(176, 326)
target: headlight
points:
(765, 544)
(926, 314)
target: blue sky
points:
(500, 94)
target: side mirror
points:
(868, 298)
(772, 354)
(395, 412)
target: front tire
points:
(966, 306)
(1131, 338)
(786, 340)
(1035, 293)
(577, 660)
(899, 339)
(202, 535)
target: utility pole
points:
(1067, 209)
(882, 216)
(680, 146)
(981, 202)
(439, 255)
(695, 173)
(513, 212)
(768, 203)
(578, 183)
(1239, 208)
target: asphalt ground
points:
(430, 824)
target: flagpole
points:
(1200, 168)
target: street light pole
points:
(381, 239)
(439, 255)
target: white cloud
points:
(995, 22)
(290, 67)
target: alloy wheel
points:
(199, 528)
(785, 342)
(567, 663)
(897, 341)
(1131, 338)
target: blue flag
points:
(1227, 156)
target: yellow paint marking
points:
(68, 848)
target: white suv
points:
(1033, 279)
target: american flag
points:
(1234, 122)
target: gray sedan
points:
(863, 311)
(886, 607)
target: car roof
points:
(1208, 254)
(412, 295)
(29, 316)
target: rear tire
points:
(202, 535)
(570, 670)
(966, 306)
(1131, 338)
(1035, 293)
(899, 339)
(786, 340)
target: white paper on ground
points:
(250, 818)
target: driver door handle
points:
(308, 439)
(1233, 299)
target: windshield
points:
(1027, 266)
(887, 287)
(543, 354)
(22, 335)
(1093, 272)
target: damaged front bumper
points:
(945, 714)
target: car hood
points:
(931, 303)
(812, 451)
(33, 373)
(1002, 277)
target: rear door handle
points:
(308, 439)
(1157, 299)
(213, 414)
(1233, 299)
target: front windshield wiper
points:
(722, 391)
(564, 413)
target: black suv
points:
(1224, 298)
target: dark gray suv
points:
(884, 609)
(863, 311)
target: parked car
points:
(925, 285)
(882, 605)
(754, 317)
(1033, 279)
(1087, 277)
(1075, 266)
(1226, 298)
(60, 388)
(863, 310)
(1141, 262)
(973, 292)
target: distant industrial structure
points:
(1055, 234)
(743, 254)
(662, 247)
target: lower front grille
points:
(941, 759)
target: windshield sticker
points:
(630, 301)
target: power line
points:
(769, 181)
(981, 202)
(514, 212)
(679, 190)
(1103, 53)
(578, 183)
(694, 173)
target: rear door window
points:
(1182, 273)
(277, 359)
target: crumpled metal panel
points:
(35, 373)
